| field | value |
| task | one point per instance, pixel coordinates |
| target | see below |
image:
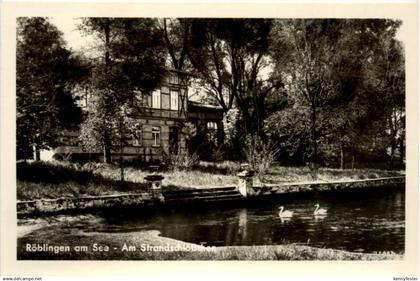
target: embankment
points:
(196, 195)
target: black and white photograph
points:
(210, 138)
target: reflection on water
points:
(362, 221)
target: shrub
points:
(56, 172)
(217, 154)
(260, 155)
(181, 161)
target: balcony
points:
(158, 113)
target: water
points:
(358, 221)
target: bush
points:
(217, 154)
(181, 161)
(260, 155)
(56, 172)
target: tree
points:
(289, 129)
(231, 59)
(341, 72)
(230, 56)
(317, 46)
(46, 72)
(177, 36)
(132, 58)
(386, 74)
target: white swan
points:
(319, 212)
(285, 214)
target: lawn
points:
(38, 180)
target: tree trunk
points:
(107, 145)
(246, 121)
(402, 152)
(314, 144)
(342, 157)
(352, 157)
(107, 151)
(220, 133)
(121, 124)
(314, 164)
(393, 137)
(121, 163)
(107, 155)
(107, 41)
(37, 153)
(392, 156)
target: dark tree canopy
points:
(347, 73)
(229, 55)
(45, 74)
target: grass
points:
(303, 174)
(182, 179)
(151, 238)
(38, 180)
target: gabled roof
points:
(203, 107)
(182, 72)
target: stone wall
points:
(155, 197)
(273, 189)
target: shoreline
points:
(194, 195)
(149, 245)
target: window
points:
(137, 136)
(173, 79)
(156, 136)
(212, 125)
(174, 100)
(212, 132)
(156, 99)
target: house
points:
(159, 121)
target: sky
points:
(73, 37)
(77, 42)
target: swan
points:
(285, 214)
(319, 212)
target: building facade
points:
(158, 118)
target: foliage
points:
(177, 33)
(181, 160)
(230, 55)
(260, 155)
(46, 73)
(386, 72)
(93, 128)
(317, 45)
(133, 64)
(324, 90)
(334, 71)
(218, 154)
(290, 128)
(188, 130)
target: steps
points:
(204, 195)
